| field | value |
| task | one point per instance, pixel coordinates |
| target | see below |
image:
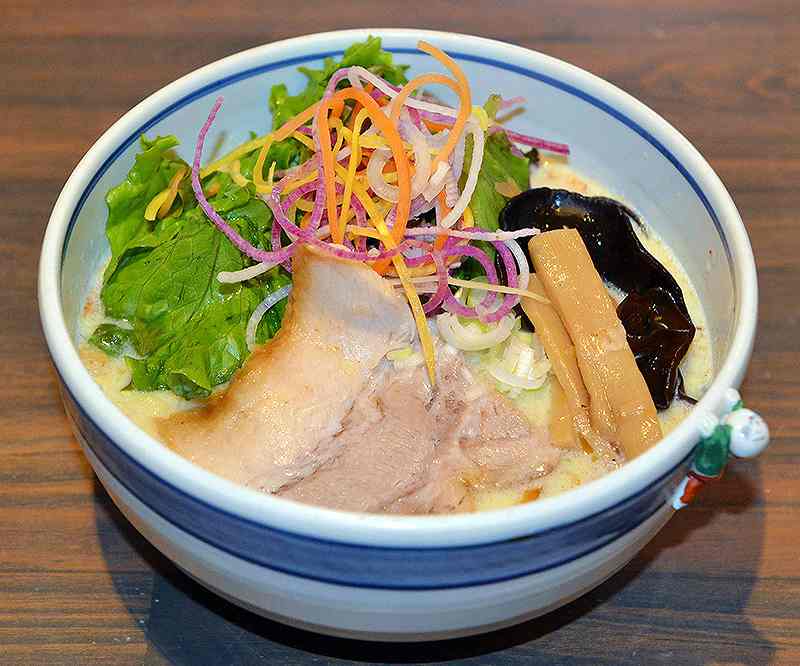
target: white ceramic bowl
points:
(387, 577)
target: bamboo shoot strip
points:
(578, 294)
(561, 352)
(562, 430)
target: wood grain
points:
(720, 585)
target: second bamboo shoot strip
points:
(561, 352)
(576, 290)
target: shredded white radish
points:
(472, 177)
(379, 186)
(472, 235)
(354, 80)
(436, 182)
(522, 263)
(472, 337)
(422, 154)
(498, 288)
(450, 190)
(438, 140)
(413, 102)
(468, 284)
(255, 318)
(422, 164)
(457, 159)
(232, 277)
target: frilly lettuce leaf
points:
(187, 329)
(367, 54)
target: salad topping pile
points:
(363, 165)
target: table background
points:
(721, 584)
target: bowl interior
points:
(607, 145)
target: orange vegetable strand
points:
(392, 137)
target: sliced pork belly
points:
(507, 450)
(385, 448)
(407, 449)
(277, 420)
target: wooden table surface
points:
(721, 584)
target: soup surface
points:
(573, 468)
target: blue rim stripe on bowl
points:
(642, 504)
(366, 566)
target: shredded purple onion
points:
(510, 300)
(442, 288)
(417, 120)
(255, 253)
(535, 142)
(452, 304)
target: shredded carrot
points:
(461, 86)
(465, 100)
(353, 181)
(292, 124)
(530, 495)
(441, 239)
(416, 83)
(426, 79)
(434, 127)
(213, 189)
(389, 132)
(355, 158)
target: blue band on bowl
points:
(364, 566)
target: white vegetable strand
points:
(472, 337)
(436, 182)
(522, 263)
(472, 177)
(255, 318)
(232, 277)
(413, 102)
(473, 235)
(379, 186)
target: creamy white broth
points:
(575, 467)
(113, 376)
